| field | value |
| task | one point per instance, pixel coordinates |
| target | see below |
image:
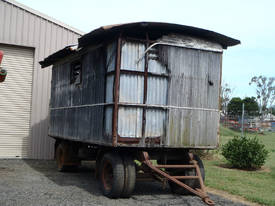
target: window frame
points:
(73, 78)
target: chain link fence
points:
(250, 123)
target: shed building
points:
(26, 37)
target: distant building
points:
(26, 37)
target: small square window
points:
(76, 72)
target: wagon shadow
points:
(84, 178)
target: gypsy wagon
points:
(130, 93)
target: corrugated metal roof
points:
(57, 56)
(156, 29)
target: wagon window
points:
(76, 72)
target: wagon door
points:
(193, 97)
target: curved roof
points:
(155, 30)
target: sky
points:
(250, 21)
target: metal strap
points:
(139, 105)
(84, 105)
(169, 107)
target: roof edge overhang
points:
(156, 29)
(50, 60)
(161, 28)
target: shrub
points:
(246, 153)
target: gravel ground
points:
(35, 183)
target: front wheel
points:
(112, 175)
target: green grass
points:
(257, 186)
(228, 132)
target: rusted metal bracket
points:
(197, 191)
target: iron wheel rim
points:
(107, 175)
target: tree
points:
(235, 106)
(265, 90)
(251, 105)
(272, 110)
(226, 92)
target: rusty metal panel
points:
(154, 64)
(108, 123)
(194, 83)
(131, 88)
(111, 56)
(157, 90)
(130, 119)
(130, 122)
(191, 42)
(109, 88)
(156, 118)
(155, 123)
(130, 53)
(22, 26)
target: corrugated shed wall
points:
(15, 99)
(20, 27)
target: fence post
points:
(243, 120)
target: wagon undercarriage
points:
(119, 170)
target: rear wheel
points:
(112, 175)
(193, 183)
(130, 175)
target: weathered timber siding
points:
(84, 123)
(180, 109)
(182, 82)
(192, 72)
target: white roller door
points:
(15, 102)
